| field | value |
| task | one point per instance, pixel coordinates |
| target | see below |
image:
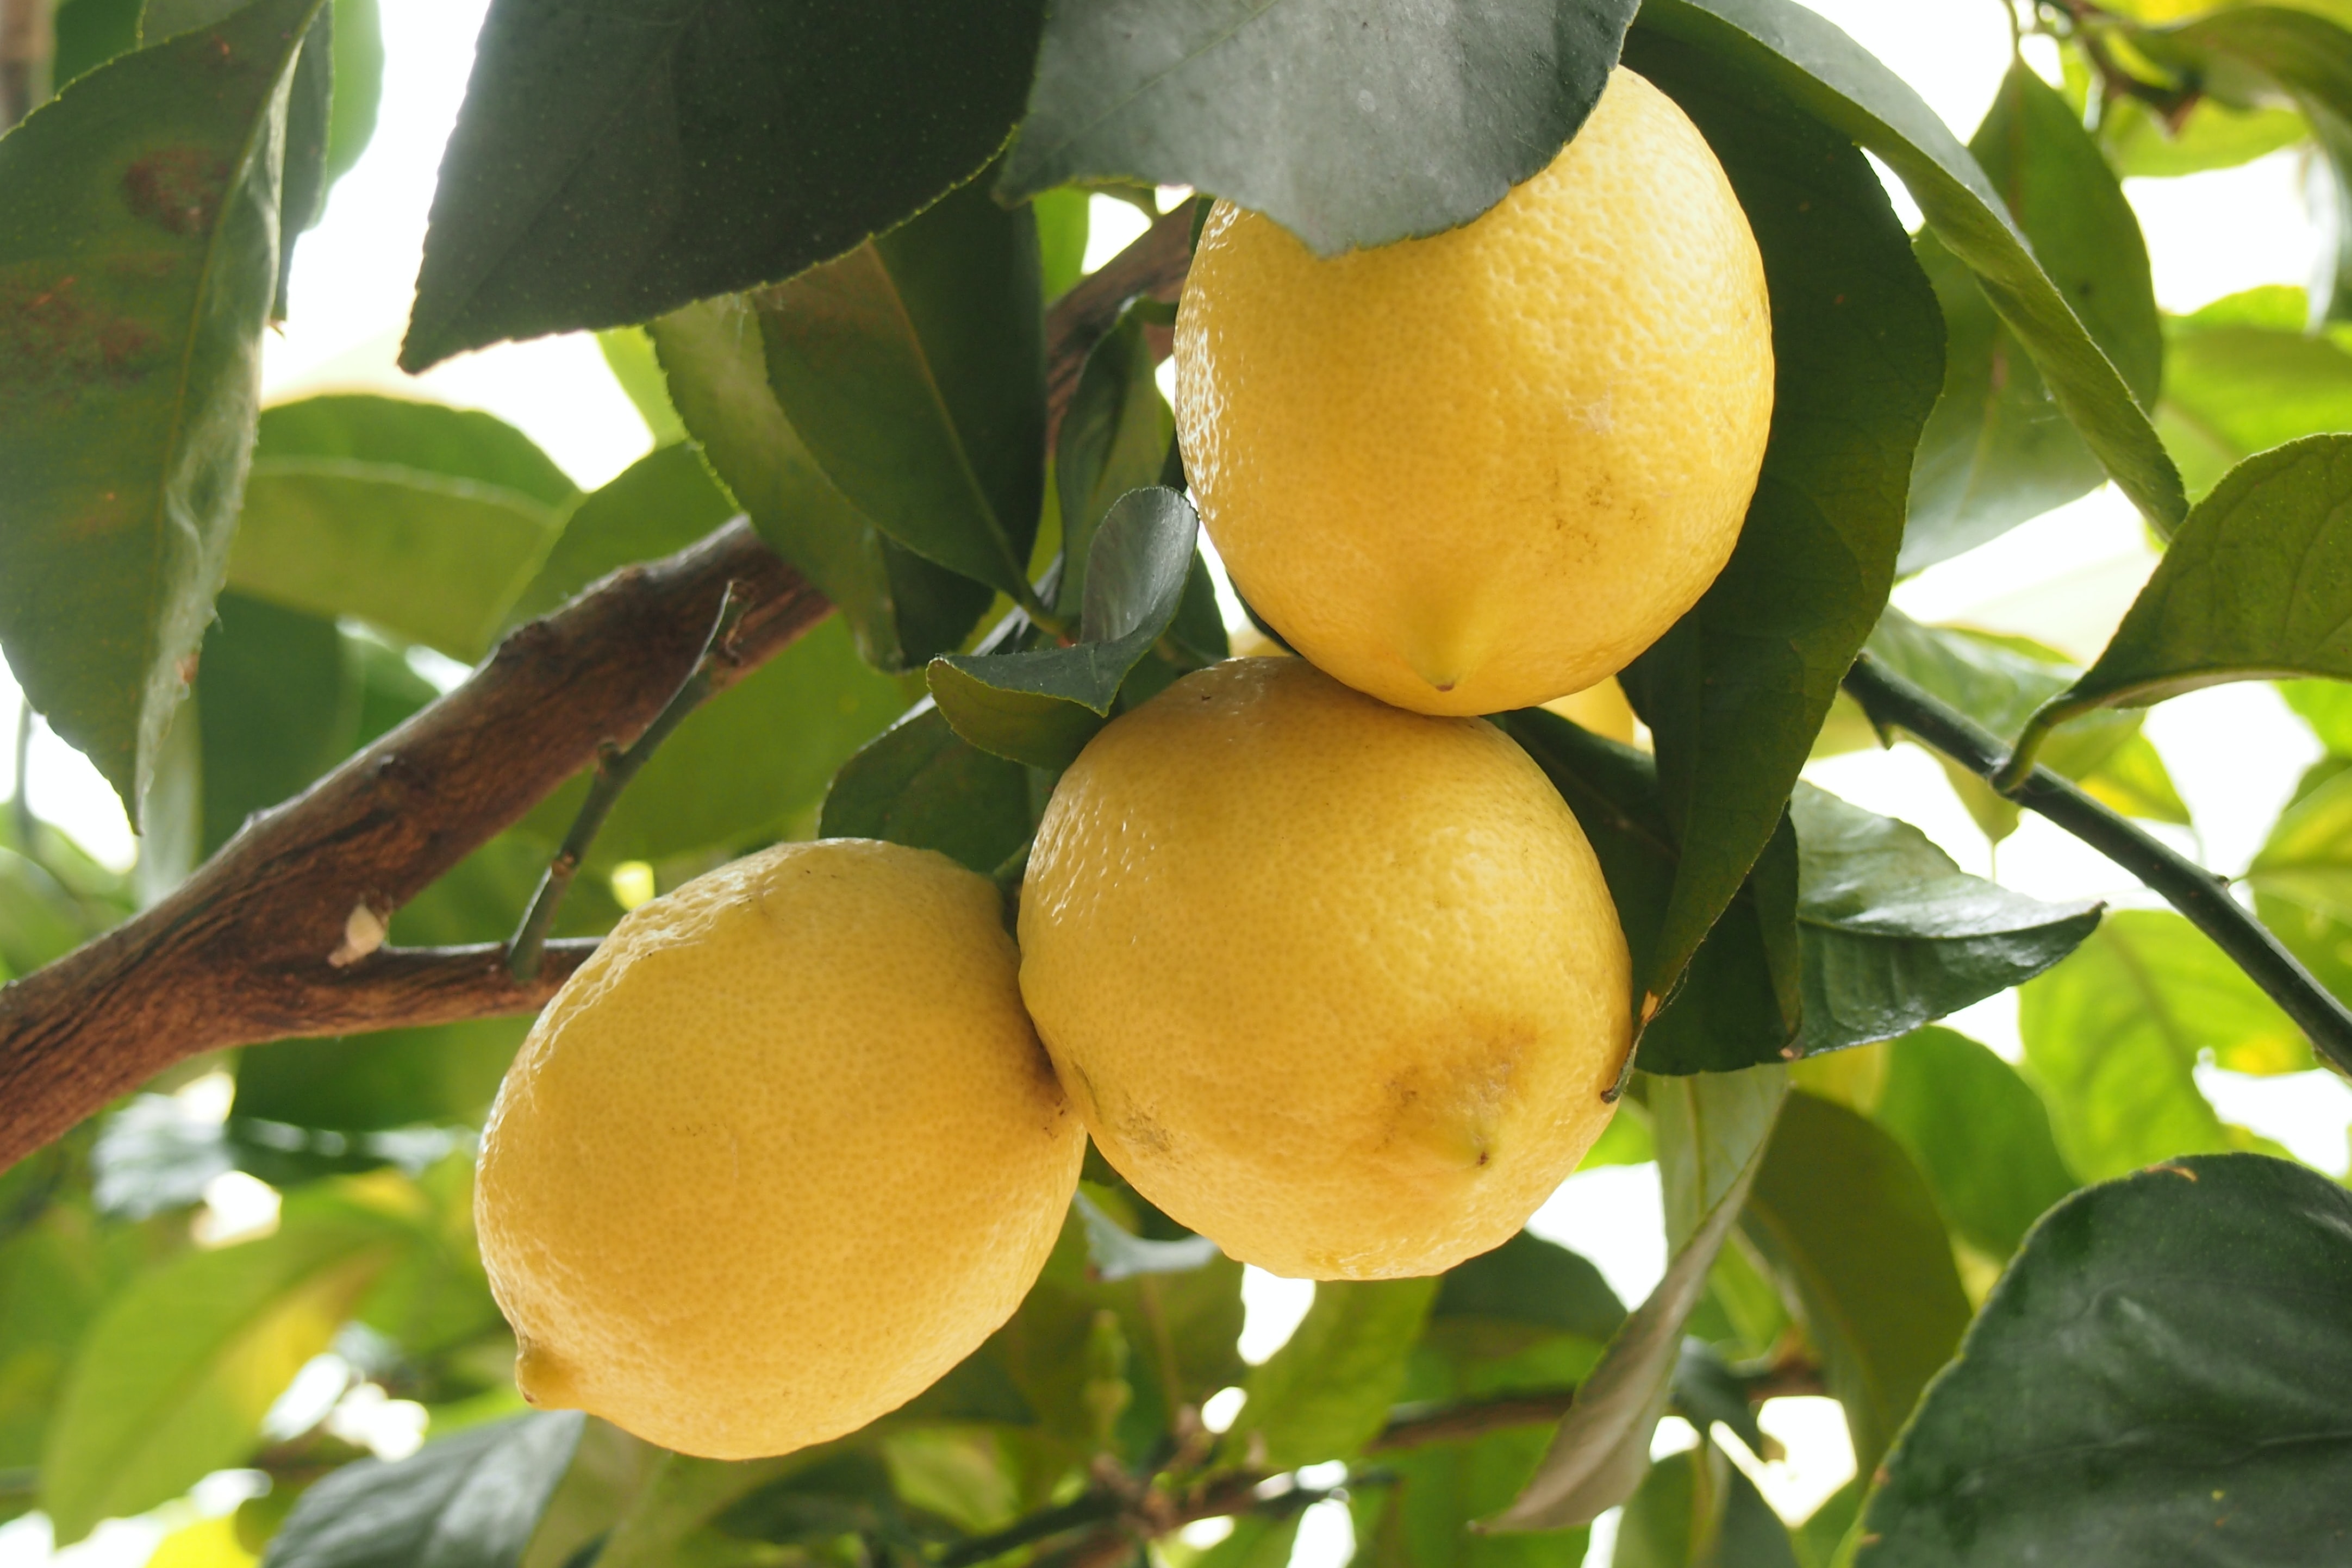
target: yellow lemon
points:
(1336, 985)
(781, 1153)
(1484, 469)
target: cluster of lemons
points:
(1324, 965)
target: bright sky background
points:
(2233, 751)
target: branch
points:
(2205, 898)
(29, 43)
(279, 934)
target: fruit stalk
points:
(2203, 897)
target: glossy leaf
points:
(1846, 1221)
(595, 146)
(1735, 691)
(902, 607)
(914, 369)
(1827, 73)
(1997, 450)
(1979, 1133)
(1896, 935)
(921, 784)
(2113, 1034)
(1041, 707)
(138, 263)
(1326, 1392)
(2157, 1379)
(2257, 584)
(172, 1380)
(2241, 376)
(1114, 439)
(1713, 1131)
(471, 1500)
(1349, 125)
(429, 559)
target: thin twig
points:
(1892, 702)
(28, 46)
(614, 768)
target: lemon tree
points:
(762, 1011)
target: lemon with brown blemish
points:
(1484, 469)
(1336, 985)
(778, 1155)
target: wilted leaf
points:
(1351, 125)
(2157, 1379)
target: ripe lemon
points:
(1336, 985)
(1484, 469)
(781, 1154)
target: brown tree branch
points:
(277, 936)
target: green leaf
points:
(1256, 1541)
(630, 355)
(2243, 376)
(1041, 707)
(2256, 585)
(2215, 136)
(138, 262)
(40, 921)
(1737, 690)
(370, 1082)
(1113, 439)
(1831, 76)
(1713, 1131)
(2112, 1035)
(2301, 882)
(1997, 450)
(596, 147)
(921, 784)
(359, 84)
(1847, 1223)
(1326, 1392)
(661, 503)
(1979, 1133)
(1896, 935)
(275, 708)
(467, 1502)
(1530, 1280)
(2326, 707)
(1063, 222)
(429, 559)
(1441, 1489)
(91, 32)
(430, 437)
(2157, 1379)
(172, 1380)
(1679, 1521)
(53, 1281)
(914, 369)
(1351, 125)
(902, 607)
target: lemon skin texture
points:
(1484, 469)
(780, 1155)
(1336, 985)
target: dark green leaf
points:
(1979, 1133)
(2158, 1378)
(914, 369)
(1679, 1520)
(430, 437)
(372, 1082)
(1041, 707)
(902, 607)
(429, 559)
(919, 783)
(1349, 125)
(467, 1502)
(138, 262)
(1737, 690)
(1896, 935)
(1326, 1392)
(1116, 1253)
(275, 708)
(612, 164)
(91, 32)
(1707, 1391)
(1831, 76)
(1713, 1131)
(2241, 376)
(1997, 450)
(2257, 584)
(1847, 1223)
(1114, 439)
(171, 1383)
(1530, 1280)
(1442, 1490)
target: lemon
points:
(781, 1153)
(1484, 469)
(1336, 985)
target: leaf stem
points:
(614, 768)
(2200, 894)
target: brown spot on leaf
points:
(55, 339)
(2175, 1170)
(177, 189)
